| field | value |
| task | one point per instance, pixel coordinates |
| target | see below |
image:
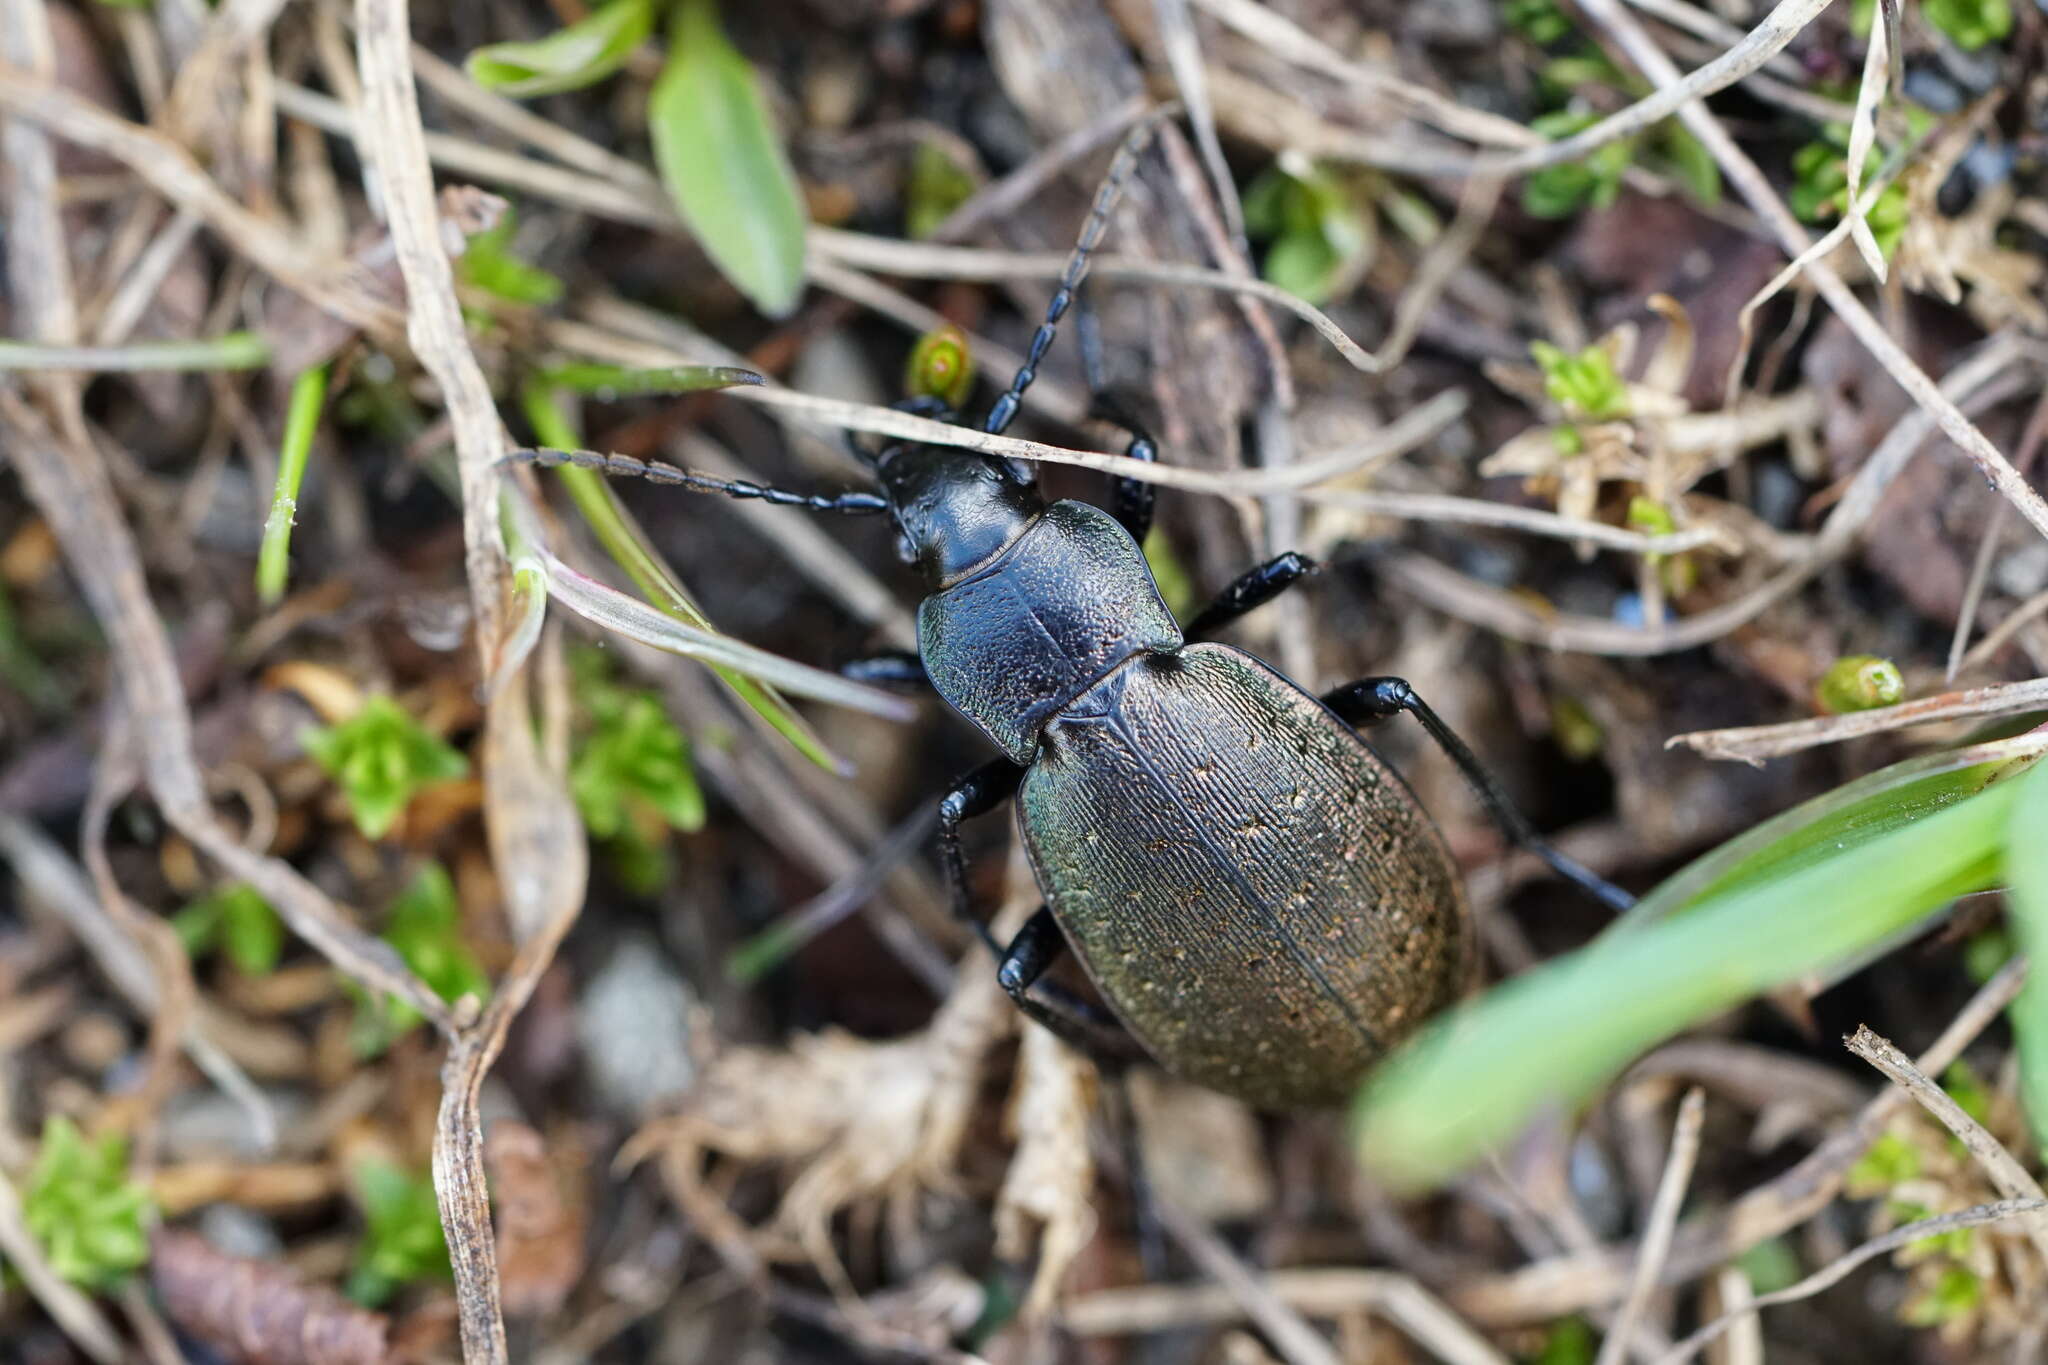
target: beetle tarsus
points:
(1371, 700)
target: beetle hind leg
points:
(1087, 1028)
(1372, 700)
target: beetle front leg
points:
(1253, 589)
(978, 793)
(899, 670)
(1371, 700)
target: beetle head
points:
(954, 510)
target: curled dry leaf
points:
(540, 1229)
(853, 1119)
(1052, 1176)
(254, 1313)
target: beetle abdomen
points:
(1256, 893)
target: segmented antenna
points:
(1106, 195)
(654, 471)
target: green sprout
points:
(1890, 1162)
(631, 774)
(1970, 24)
(937, 187)
(89, 1218)
(402, 1238)
(425, 927)
(568, 59)
(487, 263)
(240, 922)
(1319, 230)
(1569, 1342)
(1859, 682)
(941, 366)
(301, 425)
(1540, 21)
(381, 757)
(1595, 182)
(1584, 385)
(1821, 188)
(1956, 1293)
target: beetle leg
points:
(978, 793)
(898, 669)
(1371, 700)
(1254, 588)
(1074, 1021)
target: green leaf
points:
(1825, 890)
(380, 757)
(402, 1237)
(936, 188)
(2026, 868)
(89, 1218)
(723, 165)
(579, 55)
(633, 755)
(1970, 24)
(241, 921)
(487, 263)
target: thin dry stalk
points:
(1752, 744)
(1836, 1270)
(170, 170)
(1763, 198)
(1321, 1293)
(2000, 1166)
(1297, 1342)
(1663, 1220)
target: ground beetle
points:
(1259, 897)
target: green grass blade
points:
(234, 351)
(2026, 868)
(620, 381)
(1550, 1037)
(722, 163)
(301, 422)
(627, 544)
(582, 54)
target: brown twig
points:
(1663, 1219)
(2004, 1171)
(1753, 744)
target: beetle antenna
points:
(654, 471)
(1106, 195)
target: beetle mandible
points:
(1258, 896)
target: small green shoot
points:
(487, 263)
(1891, 1161)
(582, 54)
(1569, 1342)
(237, 920)
(1859, 682)
(402, 1238)
(1595, 182)
(425, 926)
(2026, 867)
(1540, 21)
(631, 773)
(937, 187)
(941, 366)
(1821, 188)
(301, 424)
(1970, 24)
(91, 1221)
(381, 757)
(1771, 1265)
(1320, 233)
(1584, 385)
(1956, 1293)
(720, 159)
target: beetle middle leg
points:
(1371, 700)
(1021, 962)
(1254, 588)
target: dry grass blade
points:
(170, 170)
(1755, 743)
(1663, 1219)
(1834, 1272)
(1298, 1343)
(2003, 1169)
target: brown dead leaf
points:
(1051, 1180)
(541, 1225)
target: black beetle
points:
(1258, 896)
